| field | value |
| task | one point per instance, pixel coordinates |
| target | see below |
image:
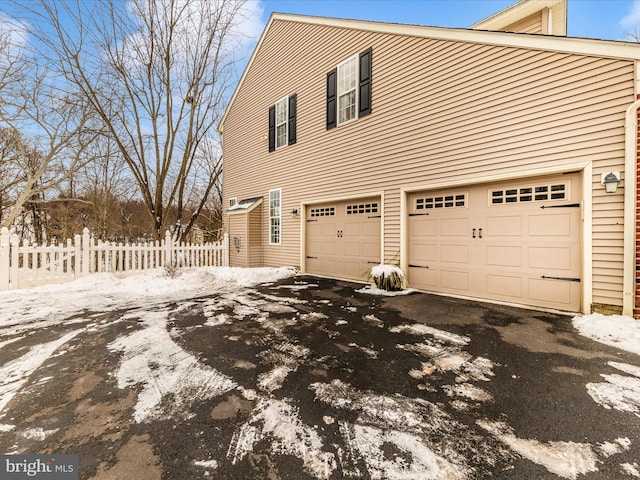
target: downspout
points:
(630, 173)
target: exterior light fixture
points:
(610, 181)
(294, 212)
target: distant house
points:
(472, 158)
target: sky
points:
(605, 19)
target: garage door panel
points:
(371, 251)
(504, 256)
(509, 226)
(549, 225)
(370, 229)
(427, 278)
(328, 248)
(351, 230)
(455, 280)
(454, 227)
(355, 269)
(423, 252)
(548, 291)
(352, 249)
(422, 227)
(505, 286)
(454, 253)
(550, 258)
(329, 229)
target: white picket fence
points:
(24, 265)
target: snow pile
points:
(615, 330)
(51, 304)
(565, 459)
(618, 392)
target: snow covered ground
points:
(47, 305)
(429, 441)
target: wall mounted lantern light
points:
(610, 181)
(295, 212)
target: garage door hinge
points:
(314, 220)
(417, 214)
(571, 205)
(312, 257)
(375, 216)
(566, 279)
(417, 266)
(373, 263)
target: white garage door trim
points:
(587, 209)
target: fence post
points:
(4, 259)
(225, 249)
(85, 248)
(168, 243)
(77, 255)
(14, 268)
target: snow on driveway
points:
(363, 433)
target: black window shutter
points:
(292, 119)
(364, 93)
(272, 128)
(332, 78)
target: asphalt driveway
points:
(307, 378)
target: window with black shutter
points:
(331, 98)
(282, 123)
(349, 90)
(364, 91)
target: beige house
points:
(472, 158)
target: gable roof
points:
(523, 9)
(573, 45)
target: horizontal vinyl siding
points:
(441, 111)
(255, 237)
(532, 24)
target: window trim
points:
(278, 217)
(353, 58)
(284, 100)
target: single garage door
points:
(343, 238)
(517, 241)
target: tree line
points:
(108, 116)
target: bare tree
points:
(157, 74)
(42, 138)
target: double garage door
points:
(516, 241)
(343, 238)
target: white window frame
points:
(285, 101)
(233, 201)
(275, 213)
(340, 93)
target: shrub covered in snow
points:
(388, 277)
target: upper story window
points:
(349, 90)
(282, 123)
(282, 117)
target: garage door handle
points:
(565, 279)
(339, 235)
(473, 233)
(479, 233)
